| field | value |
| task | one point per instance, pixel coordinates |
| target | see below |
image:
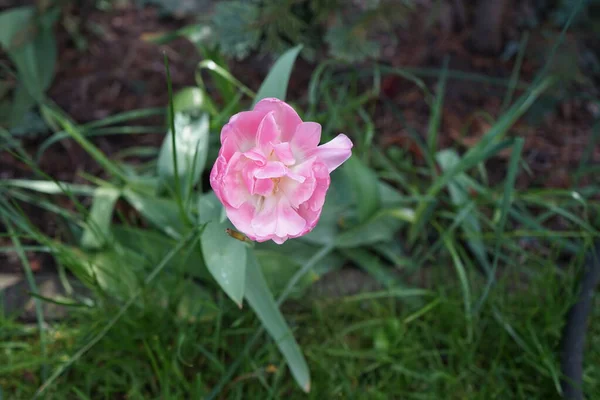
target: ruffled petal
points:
(241, 218)
(297, 192)
(273, 169)
(284, 153)
(334, 152)
(268, 133)
(287, 118)
(305, 139)
(277, 218)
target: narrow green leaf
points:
(489, 145)
(261, 300)
(436, 112)
(459, 193)
(507, 198)
(50, 187)
(75, 132)
(276, 82)
(365, 187)
(97, 230)
(464, 282)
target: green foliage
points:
(233, 27)
(350, 43)
(270, 26)
(28, 39)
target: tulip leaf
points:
(191, 146)
(262, 302)
(365, 187)
(276, 82)
(380, 227)
(224, 256)
(97, 230)
(30, 44)
(161, 212)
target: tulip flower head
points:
(271, 174)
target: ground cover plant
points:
(435, 270)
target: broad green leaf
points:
(97, 229)
(365, 187)
(30, 44)
(380, 227)
(262, 302)
(162, 213)
(191, 145)
(210, 208)
(388, 194)
(327, 227)
(225, 258)
(459, 193)
(276, 82)
(154, 246)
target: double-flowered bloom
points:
(271, 174)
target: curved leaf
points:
(225, 258)
(276, 82)
(191, 145)
(261, 300)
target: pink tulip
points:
(271, 175)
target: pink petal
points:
(268, 132)
(263, 187)
(233, 188)
(297, 192)
(310, 216)
(284, 153)
(277, 218)
(241, 218)
(317, 199)
(279, 240)
(287, 118)
(244, 125)
(264, 222)
(273, 169)
(334, 152)
(289, 222)
(257, 156)
(306, 138)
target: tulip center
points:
(275, 184)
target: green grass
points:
(378, 348)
